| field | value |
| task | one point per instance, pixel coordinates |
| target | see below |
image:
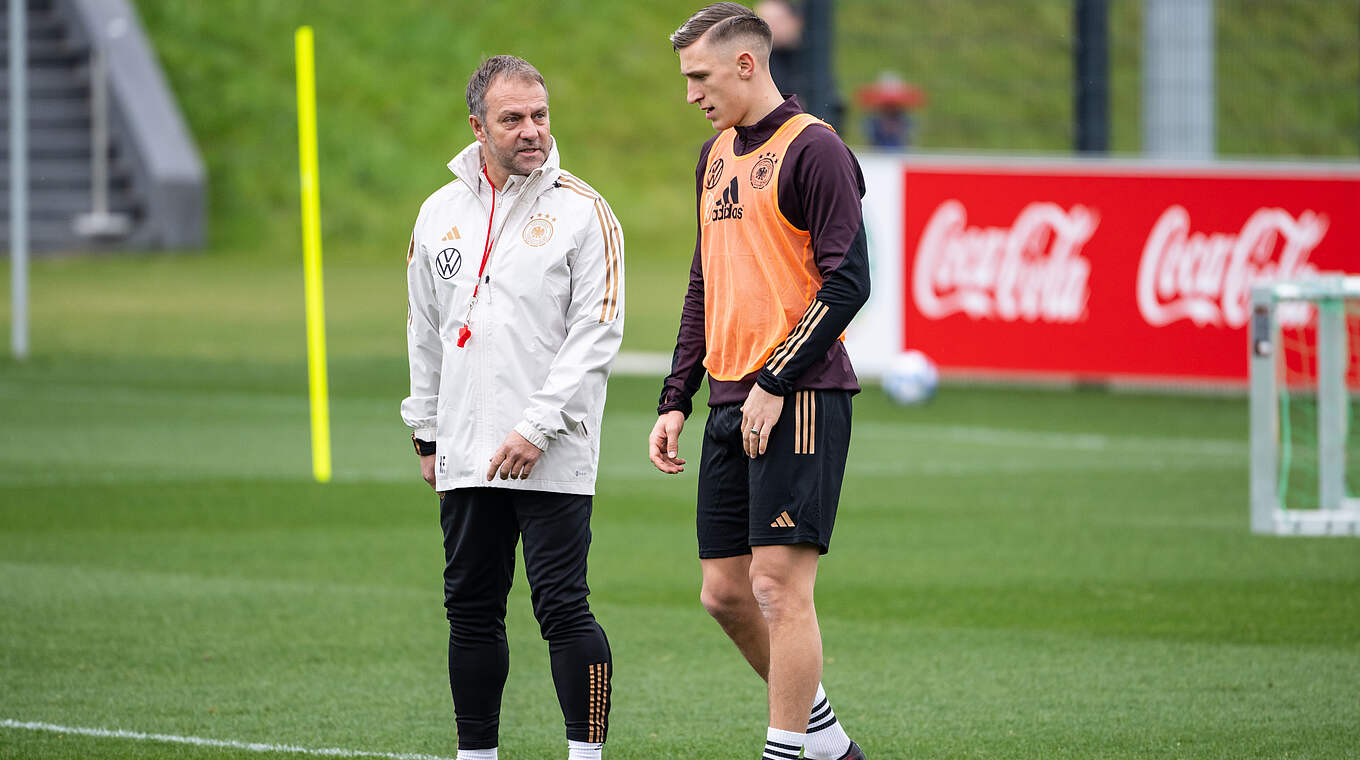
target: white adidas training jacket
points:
(546, 325)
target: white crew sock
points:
(782, 745)
(826, 740)
(477, 754)
(584, 750)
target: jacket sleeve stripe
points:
(610, 256)
(616, 233)
(609, 231)
(575, 186)
(811, 318)
(608, 259)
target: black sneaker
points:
(854, 753)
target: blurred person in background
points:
(791, 65)
(515, 281)
(889, 102)
(780, 267)
(786, 47)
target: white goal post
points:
(1319, 379)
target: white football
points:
(911, 378)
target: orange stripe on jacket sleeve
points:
(608, 261)
(609, 232)
(782, 349)
(615, 247)
(617, 232)
(801, 332)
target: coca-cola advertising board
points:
(1106, 271)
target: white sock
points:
(782, 745)
(584, 750)
(826, 740)
(477, 754)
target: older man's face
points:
(515, 136)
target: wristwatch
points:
(423, 448)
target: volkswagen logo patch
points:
(715, 173)
(448, 262)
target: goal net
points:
(1305, 393)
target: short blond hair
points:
(725, 21)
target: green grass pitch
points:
(1015, 573)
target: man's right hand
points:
(665, 443)
(427, 469)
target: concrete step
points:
(50, 82)
(41, 229)
(34, 6)
(56, 112)
(60, 173)
(38, 10)
(43, 25)
(50, 235)
(50, 203)
(67, 176)
(52, 139)
(53, 143)
(45, 52)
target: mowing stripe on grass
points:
(1018, 438)
(198, 741)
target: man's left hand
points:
(758, 417)
(514, 459)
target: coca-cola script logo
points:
(1031, 271)
(1207, 277)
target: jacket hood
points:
(468, 164)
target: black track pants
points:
(481, 528)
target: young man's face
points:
(717, 77)
(515, 136)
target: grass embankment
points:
(391, 77)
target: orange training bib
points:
(759, 272)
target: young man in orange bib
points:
(780, 267)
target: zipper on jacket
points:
(521, 198)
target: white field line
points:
(198, 741)
(642, 364)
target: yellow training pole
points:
(311, 256)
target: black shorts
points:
(788, 495)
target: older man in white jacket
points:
(515, 279)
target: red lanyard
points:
(464, 332)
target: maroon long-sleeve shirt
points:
(820, 187)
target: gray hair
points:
(496, 66)
(725, 21)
